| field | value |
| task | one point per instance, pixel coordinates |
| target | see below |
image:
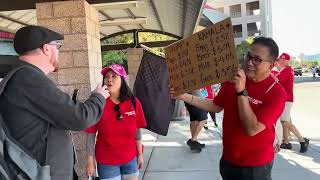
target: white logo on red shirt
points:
(254, 101)
(130, 113)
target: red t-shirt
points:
(274, 72)
(116, 139)
(239, 148)
(286, 79)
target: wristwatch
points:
(242, 93)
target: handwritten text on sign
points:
(207, 57)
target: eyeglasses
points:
(117, 109)
(57, 44)
(255, 60)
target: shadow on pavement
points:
(291, 167)
(299, 79)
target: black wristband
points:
(242, 93)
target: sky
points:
(296, 26)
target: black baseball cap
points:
(33, 37)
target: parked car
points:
(297, 71)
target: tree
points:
(242, 49)
(294, 63)
(115, 57)
(120, 56)
(147, 36)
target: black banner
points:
(151, 87)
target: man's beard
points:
(56, 66)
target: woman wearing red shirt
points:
(118, 149)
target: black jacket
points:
(40, 117)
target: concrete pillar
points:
(244, 30)
(243, 10)
(263, 17)
(134, 60)
(227, 10)
(80, 56)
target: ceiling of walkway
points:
(178, 18)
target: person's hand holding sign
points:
(239, 80)
(178, 97)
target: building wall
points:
(265, 16)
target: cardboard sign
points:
(207, 57)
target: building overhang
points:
(177, 17)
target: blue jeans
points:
(118, 172)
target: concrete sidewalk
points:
(169, 158)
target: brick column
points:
(80, 56)
(134, 60)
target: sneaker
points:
(189, 142)
(200, 144)
(286, 146)
(195, 147)
(304, 145)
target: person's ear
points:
(46, 49)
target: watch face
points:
(245, 93)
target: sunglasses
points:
(117, 109)
(57, 44)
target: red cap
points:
(285, 56)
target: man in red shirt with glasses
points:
(252, 102)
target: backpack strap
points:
(22, 159)
(277, 138)
(276, 81)
(16, 153)
(3, 136)
(3, 166)
(7, 77)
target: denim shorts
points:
(118, 172)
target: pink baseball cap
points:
(285, 56)
(116, 68)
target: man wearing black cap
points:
(38, 114)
